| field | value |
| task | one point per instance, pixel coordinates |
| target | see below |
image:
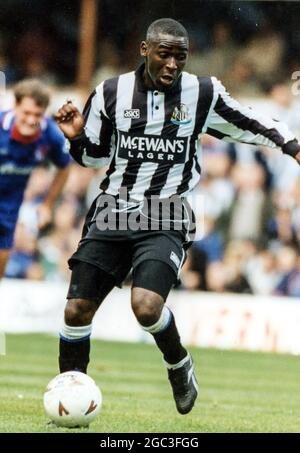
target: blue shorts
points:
(9, 210)
(7, 231)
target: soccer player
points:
(146, 125)
(27, 138)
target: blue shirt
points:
(17, 160)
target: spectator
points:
(219, 57)
(290, 282)
(24, 256)
(250, 208)
(262, 272)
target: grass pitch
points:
(239, 391)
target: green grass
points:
(239, 391)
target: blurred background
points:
(251, 195)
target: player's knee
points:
(146, 306)
(79, 312)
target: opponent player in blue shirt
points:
(27, 139)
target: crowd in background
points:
(246, 43)
(251, 221)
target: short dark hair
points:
(166, 26)
(34, 89)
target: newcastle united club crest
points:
(181, 115)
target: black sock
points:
(74, 355)
(168, 341)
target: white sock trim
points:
(75, 333)
(162, 323)
(175, 366)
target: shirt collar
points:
(141, 84)
(24, 140)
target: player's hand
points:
(70, 120)
(44, 214)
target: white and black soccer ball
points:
(72, 399)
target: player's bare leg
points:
(158, 320)
(75, 335)
(88, 288)
(149, 310)
(4, 256)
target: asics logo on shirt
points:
(132, 113)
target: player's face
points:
(165, 59)
(28, 116)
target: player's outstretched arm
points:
(233, 122)
(70, 120)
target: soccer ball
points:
(72, 399)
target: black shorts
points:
(93, 284)
(120, 252)
(116, 251)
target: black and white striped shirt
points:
(150, 139)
